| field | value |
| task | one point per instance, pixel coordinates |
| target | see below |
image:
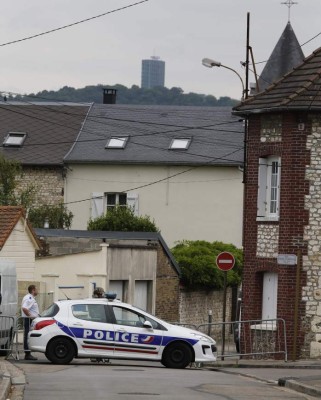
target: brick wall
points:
(291, 147)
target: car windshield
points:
(51, 311)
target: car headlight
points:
(204, 338)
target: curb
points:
(12, 376)
(299, 387)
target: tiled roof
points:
(9, 217)
(286, 55)
(216, 135)
(299, 90)
(51, 130)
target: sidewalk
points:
(303, 376)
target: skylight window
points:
(180, 144)
(117, 142)
(14, 139)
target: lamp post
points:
(207, 62)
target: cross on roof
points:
(289, 4)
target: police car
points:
(105, 329)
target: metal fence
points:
(259, 339)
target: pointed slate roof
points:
(299, 90)
(287, 54)
(9, 217)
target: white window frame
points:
(117, 196)
(14, 139)
(180, 143)
(117, 142)
(269, 179)
(99, 203)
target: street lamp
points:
(207, 62)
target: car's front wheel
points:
(60, 351)
(177, 355)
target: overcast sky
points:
(109, 50)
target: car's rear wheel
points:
(60, 351)
(177, 355)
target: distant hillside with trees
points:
(134, 95)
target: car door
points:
(133, 337)
(91, 329)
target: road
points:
(124, 380)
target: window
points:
(14, 139)
(268, 201)
(117, 142)
(180, 144)
(101, 201)
(127, 317)
(89, 312)
(116, 199)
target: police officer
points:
(29, 311)
(99, 293)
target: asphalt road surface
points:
(122, 380)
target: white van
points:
(8, 302)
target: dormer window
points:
(117, 142)
(14, 139)
(180, 144)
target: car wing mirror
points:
(148, 325)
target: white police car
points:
(100, 328)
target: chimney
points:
(109, 96)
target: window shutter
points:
(132, 201)
(262, 181)
(97, 204)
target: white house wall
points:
(204, 203)
(20, 248)
(81, 269)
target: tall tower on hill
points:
(153, 73)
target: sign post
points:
(224, 261)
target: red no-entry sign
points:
(225, 261)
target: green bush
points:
(197, 261)
(57, 216)
(122, 219)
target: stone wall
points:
(49, 184)
(195, 306)
(167, 289)
(267, 241)
(311, 292)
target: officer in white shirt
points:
(29, 311)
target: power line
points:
(103, 136)
(157, 181)
(74, 23)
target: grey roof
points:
(108, 235)
(286, 55)
(217, 136)
(299, 90)
(51, 130)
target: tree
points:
(122, 219)
(197, 261)
(134, 95)
(10, 193)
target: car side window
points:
(124, 316)
(89, 312)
